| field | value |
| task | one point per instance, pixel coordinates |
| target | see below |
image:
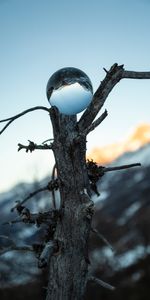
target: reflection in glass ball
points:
(70, 90)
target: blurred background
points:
(37, 38)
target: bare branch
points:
(87, 130)
(96, 122)
(25, 112)
(121, 167)
(32, 146)
(113, 76)
(95, 172)
(48, 140)
(102, 283)
(11, 119)
(49, 217)
(16, 248)
(106, 71)
(52, 185)
(101, 237)
(31, 195)
(136, 75)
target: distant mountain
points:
(123, 217)
(138, 138)
(20, 267)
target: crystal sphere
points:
(70, 90)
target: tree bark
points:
(68, 269)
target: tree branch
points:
(16, 248)
(48, 140)
(113, 76)
(32, 146)
(31, 195)
(96, 122)
(101, 237)
(95, 172)
(102, 283)
(52, 185)
(136, 75)
(108, 169)
(49, 217)
(11, 119)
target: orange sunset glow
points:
(106, 154)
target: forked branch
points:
(12, 119)
(113, 76)
(32, 146)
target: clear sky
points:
(37, 37)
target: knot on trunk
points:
(88, 210)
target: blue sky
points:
(39, 37)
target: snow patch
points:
(128, 213)
(132, 256)
(103, 195)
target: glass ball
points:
(70, 90)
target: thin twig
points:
(48, 140)
(15, 248)
(52, 185)
(32, 146)
(31, 195)
(11, 119)
(102, 238)
(108, 169)
(37, 218)
(96, 122)
(102, 283)
(106, 71)
(25, 112)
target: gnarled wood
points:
(69, 267)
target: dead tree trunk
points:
(69, 267)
